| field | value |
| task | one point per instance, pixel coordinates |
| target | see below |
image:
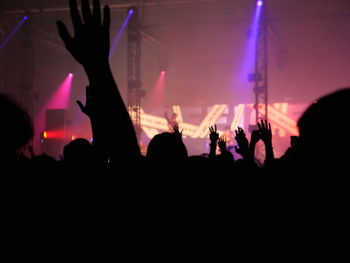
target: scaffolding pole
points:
(261, 76)
(134, 91)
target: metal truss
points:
(134, 92)
(261, 76)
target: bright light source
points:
(163, 72)
(25, 18)
(73, 137)
(45, 134)
(259, 2)
(70, 75)
(131, 12)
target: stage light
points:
(279, 118)
(117, 38)
(249, 56)
(213, 115)
(259, 2)
(239, 114)
(19, 25)
(73, 137)
(54, 134)
(60, 99)
(157, 95)
(177, 111)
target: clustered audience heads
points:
(118, 202)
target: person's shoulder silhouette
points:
(16, 127)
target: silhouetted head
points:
(324, 127)
(78, 151)
(16, 126)
(166, 147)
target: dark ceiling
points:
(333, 6)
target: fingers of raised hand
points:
(75, 16)
(96, 13)
(106, 18)
(85, 9)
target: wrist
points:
(268, 144)
(97, 71)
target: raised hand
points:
(214, 136)
(177, 131)
(255, 137)
(104, 104)
(88, 108)
(265, 131)
(222, 144)
(243, 144)
(266, 137)
(90, 44)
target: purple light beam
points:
(19, 25)
(116, 40)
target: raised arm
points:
(111, 124)
(243, 144)
(225, 153)
(214, 137)
(254, 138)
(266, 137)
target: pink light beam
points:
(59, 100)
(157, 98)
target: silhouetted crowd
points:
(105, 201)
